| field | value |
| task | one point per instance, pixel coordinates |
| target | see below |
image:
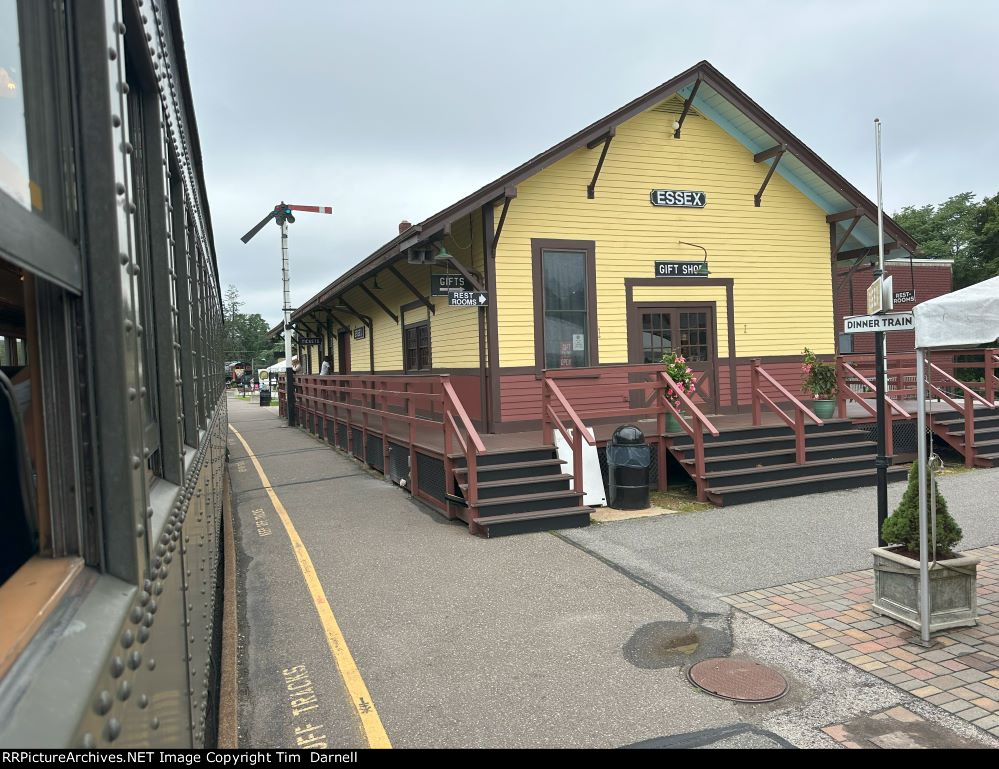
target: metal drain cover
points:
(738, 679)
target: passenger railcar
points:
(112, 408)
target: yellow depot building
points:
(688, 220)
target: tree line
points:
(959, 229)
(246, 334)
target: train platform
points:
(367, 619)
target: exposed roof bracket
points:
(509, 194)
(850, 213)
(606, 139)
(849, 273)
(379, 302)
(412, 289)
(366, 320)
(846, 234)
(686, 109)
(777, 153)
(465, 273)
(853, 254)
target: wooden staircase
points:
(518, 491)
(751, 464)
(983, 449)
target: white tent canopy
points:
(278, 368)
(966, 317)
(963, 318)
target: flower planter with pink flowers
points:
(820, 382)
(683, 375)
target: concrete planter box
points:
(953, 601)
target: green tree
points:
(946, 230)
(902, 526)
(983, 253)
(245, 335)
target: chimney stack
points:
(403, 226)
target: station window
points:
(416, 344)
(564, 297)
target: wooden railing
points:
(801, 411)
(605, 393)
(965, 409)
(845, 392)
(976, 369)
(550, 418)
(409, 410)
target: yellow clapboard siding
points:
(453, 330)
(784, 243)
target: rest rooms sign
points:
(467, 298)
(681, 269)
(894, 321)
(677, 198)
(441, 284)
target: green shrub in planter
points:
(902, 526)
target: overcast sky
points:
(391, 110)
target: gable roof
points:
(718, 99)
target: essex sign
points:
(309, 340)
(678, 198)
(467, 298)
(681, 269)
(894, 321)
(442, 283)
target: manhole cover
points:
(738, 679)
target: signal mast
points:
(283, 216)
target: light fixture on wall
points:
(442, 255)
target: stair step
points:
(754, 492)
(530, 503)
(762, 431)
(985, 444)
(812, 440)
(979, 420)
(506, 456)
(530, 485)
(512, 470)
(747, 459)
(489, 520)
(791, 466)
(526, 523)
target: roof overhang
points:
(718, 99)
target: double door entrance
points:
(686, 328)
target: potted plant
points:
(820, 381)
(683, 375)
(896, 567)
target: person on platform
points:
(327, 368)
(296, 364)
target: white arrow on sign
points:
(482, 298)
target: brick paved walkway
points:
(960, 673)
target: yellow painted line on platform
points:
(371, 723)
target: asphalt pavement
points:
(579, 639)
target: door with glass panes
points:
(689, 329)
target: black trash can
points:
(265, 397)
(629, 461)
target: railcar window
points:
(35, 134)
(18, 443)
(138, 120)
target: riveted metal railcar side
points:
(110, 344)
